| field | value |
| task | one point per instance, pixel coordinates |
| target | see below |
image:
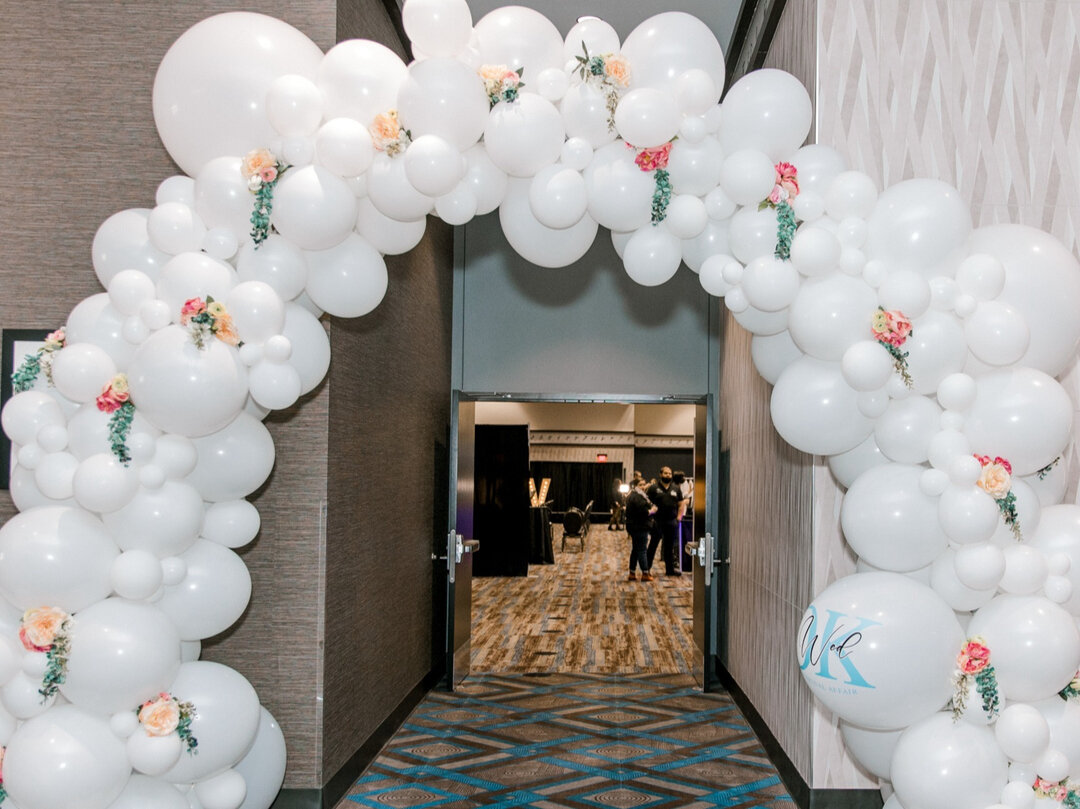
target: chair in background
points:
(574, 525)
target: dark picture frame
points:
(13, 341)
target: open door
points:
(459, 542)
(703, 547)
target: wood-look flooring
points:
(581, 615)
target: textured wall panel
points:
(770, 531)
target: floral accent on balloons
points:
(45, 629)
(115, 398)
(785, 189)
(501, 83)
(973, 663)
(609, 73)
(891, 328)
(262, 170)
(1072, 690)
(1046, 470)
(27, 373)
(1061, 791)
(165, 714)
(388, 135)
(206, 319)
(996, 480)
(655, 159)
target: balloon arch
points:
(919, 354)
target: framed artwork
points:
(17, 345)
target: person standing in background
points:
(639, 512)
(618, 504)
(666, 496)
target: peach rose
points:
(40, 626)
(225, 331)
(385, 129)
(617, 69)
(256, 162)
(113, 395)
(995, 480)
(160, 716)
(493, 73)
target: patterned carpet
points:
(572, 741)
(581, 615)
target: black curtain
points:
(648, 461)
(574, 484)
(502, 518)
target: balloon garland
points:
(920, 355)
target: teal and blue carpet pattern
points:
(572, 741)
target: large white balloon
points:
(122, 653)
(226, 718)
(348, 280)
(537, 243)
(620, 193)
(437, 28)
(212, 596)
(313, 208)
(95, 320)
(814, 410)
(831, 314)
(919, 225)
(211, 86)
(516, 36)
(443, 97)
(768, 110)
(65, 757)
(523, 136)
(142, 791)
(164, 521)
(234, 461)
(359, 79)
(56, 556)
(865, 651)
(888, 520)
(263, 766)
(1059, 532)
(665, 46)
(193, 275)
(942, 764)
(122, 243)
(183, 389)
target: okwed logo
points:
(835, 641)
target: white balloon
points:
(518, 37)
(103, 484)
(543, 246)
(275, 385)
(956, 392)
(768, 110)
(343, 145)
(979, 566)
(695, 93)
(142, 791)
(889, 522)
(814, 410)
(225, 723)
(121, 653)
(348, 280)
(593, 35)
(184, 389)
(232, 523)
(310, 346)
(122, 243)
(359, 79)
(389, 236)
(815, 251)
(620, 194)
(865, 366)
(712, 241)
(81, 370)
(193, 275)
(164, 521)
(234, 461)
(128, 289)
(585, 115)
(1022, 733)
(153, 755)
(212, 596)
(712, 280)
(524, 136)
(647, 117)
(136, 574)
(437, 27)
(770, 284)
(652, 256)
(223, 791)
(27, 413)
(967, 514)
(848, 466)
(223, 199)
(747, 176)
(1034, 644)
(850, 194)
(818, 166)
(947, 584)
(294, 105)
(390, 191)
(919, 225)
(830, 314)
(433, 166)
(941, 764)
(263, 766)
(904, 430)
(57, 556)
(313, 208)
(865, 653)
(65, 757)
(981, 275)
(873, 749)
(997, 334)
(755, 320)
(1058, 532)
(175, 455)
(277, 262)
(557, 196)
(663, 47)
(1022, 415)
(906, 291)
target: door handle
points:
(471, 545)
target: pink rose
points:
(191, 308)
(160, 716)
(973, 658)
(654, 157)
(114, 394)
(899, 324)
(40, 626)
(268, 174)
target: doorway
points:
(562, 602)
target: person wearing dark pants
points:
(638, 516)
(666, 496)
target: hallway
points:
(573, 741)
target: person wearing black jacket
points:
(638, 516)
(666, 496)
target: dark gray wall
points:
(586, 328)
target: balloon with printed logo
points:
(210, 89)
(65, 757)
(55, 555)
(942, 764)
(879, 650)
(226, 718)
